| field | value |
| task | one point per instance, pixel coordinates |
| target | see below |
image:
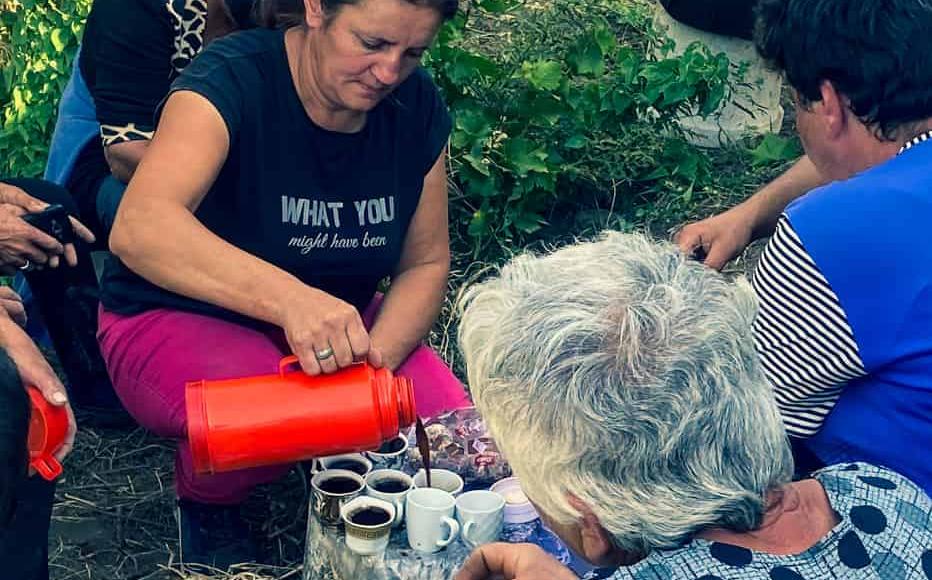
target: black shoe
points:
(213, 535)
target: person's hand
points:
(13, 304)
(717, 240)
(326, 333)
(513, 562)
(22, 244)
(35, 371)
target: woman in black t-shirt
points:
(291, 171)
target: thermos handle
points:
(293, 360)
(48, 467)
(285, 363)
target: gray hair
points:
(622, 373)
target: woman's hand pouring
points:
(326, 333)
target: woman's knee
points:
(152, 356)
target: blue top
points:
(884, 534)
(869, 237)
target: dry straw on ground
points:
(114, 514)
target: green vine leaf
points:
(775, 149)
(543, 74)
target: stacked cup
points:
(339, 485)
(370, 502)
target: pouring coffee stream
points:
(423, 445)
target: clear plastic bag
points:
(460, 442)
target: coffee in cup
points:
(368, 524)
(331, 489)
(391, 486)
(339, 485)
(371, 516)
(355, 462)
(391, 455)
(440, 479)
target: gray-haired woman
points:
(621, 381)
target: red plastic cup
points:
(48, 427)
(291, 416)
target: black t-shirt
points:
(131, 52)
(331, 208)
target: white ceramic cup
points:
(397, 499)
(392, 460)
(429, 518)
(338, 462)
(440, 479)
(362, 538)
(481, 515)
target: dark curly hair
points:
(877, 53)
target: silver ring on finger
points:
(28, 266)
(324, 354)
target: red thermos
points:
(273, 419)
(48, 427)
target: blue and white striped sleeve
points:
(805, 343)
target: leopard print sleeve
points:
(132, 51)
(189, 20)
(113, 134)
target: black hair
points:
(242, 12)
(285, 13)
(446, 8)
(278, 13)
(14, 429)
(876, 53)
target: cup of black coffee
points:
(370, 516)
(391, 455)
(355, 462)
(368, 524)
(392, 486)
(332, 488)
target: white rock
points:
(754, 107)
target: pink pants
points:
(152, 355)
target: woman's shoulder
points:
(876, 500)
(256, 44)
(884, 518)
(850, 482)
(881, 513)
(240, 62)
(234, 72)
